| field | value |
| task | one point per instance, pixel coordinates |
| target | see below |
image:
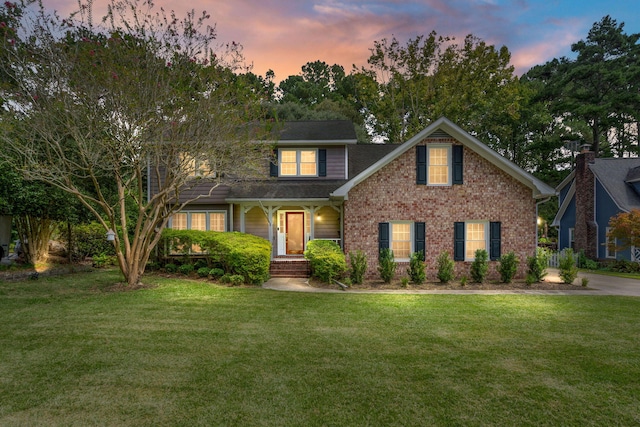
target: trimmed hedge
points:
(236, 253)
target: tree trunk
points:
(35, 234)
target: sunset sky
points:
(283, 35)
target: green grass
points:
(190, 353)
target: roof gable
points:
(614, 174)
(443, 127)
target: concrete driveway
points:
(598, 285)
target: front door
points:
(295, 232)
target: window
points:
(195, 166)
(475, 238)
(572, 238)
(298, 162)
(438, 165)
(608, 252)
(401, 240)
(470, 236)
(205, 221)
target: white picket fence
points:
(554, 259)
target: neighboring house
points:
(442, 190)
(598, 189)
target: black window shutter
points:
(322, 162)
(457, 164)
(421, 164)
(274, 164)
(419, 238)
(495, 241)
(383, 235)
(458, 241)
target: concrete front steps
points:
(290, 267)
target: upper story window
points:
(195, 166)
(439, 164)
(298, 162)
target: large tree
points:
(106, 112)
(472, 83)
(600, 87)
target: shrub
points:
(171, 268)
(567, 265)
(102, 260)
(89, 240)
(585, 282)
(237, 253)
(203, 271)
(530, 279)
(186, 269)
(480, 266)
(416, 268)
(537, 265)
(508, 267)
(201, 263)
(404, 281)
(153, 266)
(232, 279)
(445, 268)
(358, 266)
(387, 265)
(326, 260)
(216, 273)
(463, 281)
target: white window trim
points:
(298, 160)
(486, 238)
(411, 239)
(449, 164)
(607, 253)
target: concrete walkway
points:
(598, 285)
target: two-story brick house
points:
(442, 190)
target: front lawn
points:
(184, 353)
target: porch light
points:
(318, 217)
(111, 235)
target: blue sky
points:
(283, 35)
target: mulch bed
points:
(489, 285)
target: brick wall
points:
(488, 194)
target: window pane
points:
(401, 240)
(475, 239)
(216, 222)
(308, 163)
(438, 165)
(288, 163)
(179, 221)
(198, 221)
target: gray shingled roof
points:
(318, 130)
(613, 174)
(360, 157)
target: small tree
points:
(416, 270)
(358, 261)
(537, 265)
(445, 267)
(387, 265)
(480, 266)
(624, 231)
(508, 267)
(567, 265)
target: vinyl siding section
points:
(256, 223)
(328, 226)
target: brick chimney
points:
(586, 229)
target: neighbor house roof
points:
(614, 174)
(539, 188)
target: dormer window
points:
(298, 162)
(196, 166)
